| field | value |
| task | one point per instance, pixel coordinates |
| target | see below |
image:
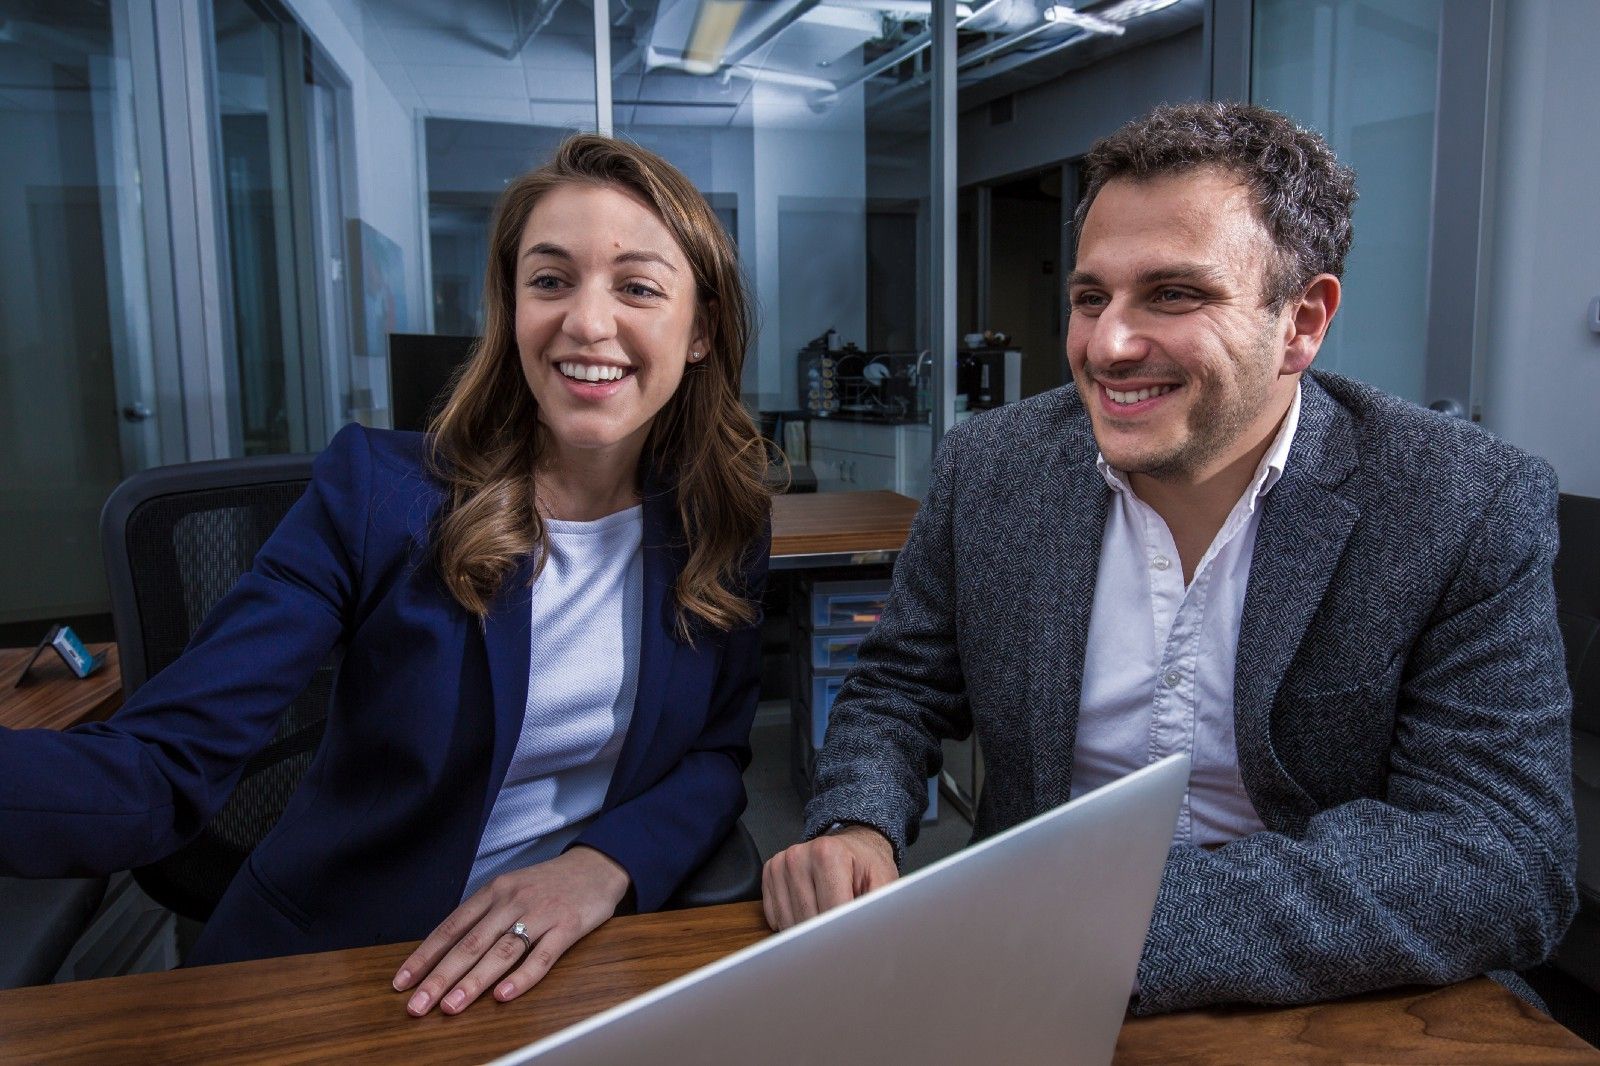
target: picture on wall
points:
(379, 277)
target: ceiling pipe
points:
(1124, 13)
(778, 19)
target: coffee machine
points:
(989, 377)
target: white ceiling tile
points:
(433, 79)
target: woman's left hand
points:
(558, 902)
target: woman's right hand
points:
(558, 903)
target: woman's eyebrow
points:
(640, 256)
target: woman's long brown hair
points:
(487, 441)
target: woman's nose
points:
(589, 316)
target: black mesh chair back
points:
(1577, 582)
(1577, 579)
(175, 540)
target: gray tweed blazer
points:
(1401, 706)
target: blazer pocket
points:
(1341, 682)
(273, 897)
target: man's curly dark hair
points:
(1302, 193)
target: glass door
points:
(1365, 74)
(810, 124)
(275, 383)
(76, 384)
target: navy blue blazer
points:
(376, 843)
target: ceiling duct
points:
(1004, 16)
(707, 36)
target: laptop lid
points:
(1019, 949)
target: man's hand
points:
(809, 878)
(558, 903)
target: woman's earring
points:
(694, 357)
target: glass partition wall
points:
(76, 381)
(807, 124)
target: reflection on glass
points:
(507, 83)
(74, 340)
(800, 122)
(1364, 73)
(469, 163)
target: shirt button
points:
(1161, 562)
(1172, 678)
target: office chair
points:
(175, 539)
(1577, 581)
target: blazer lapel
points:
(1071, 520)
(1305, 524)
(506, 638)
(664, 555)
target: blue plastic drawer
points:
(835, 651)
(824, 690)
(848, 604)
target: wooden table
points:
(338, 1007)
(53, 697)
(839, 528)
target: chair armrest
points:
(40, 920)
(731, 875)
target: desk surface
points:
(52, 697)
(338, 1007)
(827, 528)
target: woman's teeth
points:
(590, 371)
(1138, 394)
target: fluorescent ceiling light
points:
(713, 27)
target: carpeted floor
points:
(776, 814)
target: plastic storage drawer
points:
(848, 604)
(835, 651)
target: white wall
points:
(1542, 372)
(388, 193)
(809, 256)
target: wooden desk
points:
(338, 1007)
(52, 697)
(839, 528)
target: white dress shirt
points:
(1158, 673)
(583, 676)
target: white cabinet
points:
(854, 456)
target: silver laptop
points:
(1020, 949)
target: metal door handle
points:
(137, 412)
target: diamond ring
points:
(520, 931)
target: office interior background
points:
(216, 213)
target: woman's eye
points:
(546, 282)
(644, 292)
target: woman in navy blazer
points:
(608, 378)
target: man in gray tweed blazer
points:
(1339, 604)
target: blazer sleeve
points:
(666, 832)
(121, 793)
(907, 692)
(1464, 866)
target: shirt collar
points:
(1268, 471)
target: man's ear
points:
(1307, 321)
